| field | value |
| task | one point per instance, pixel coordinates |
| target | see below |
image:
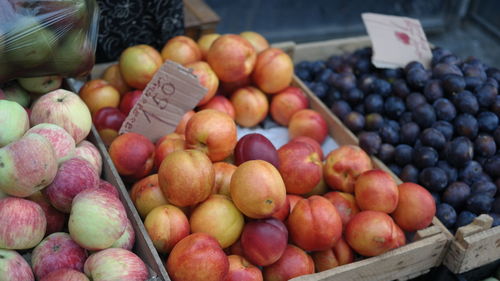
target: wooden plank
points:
(143, 246)
(199, 19)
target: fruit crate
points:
(473, 245)
(199, 18)
(143, 246)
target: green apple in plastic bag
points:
(75, 55)
(28, 43)
(14, 92)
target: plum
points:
(331, 96)
(394, 107)
(446, 128)
(400, 88)
(465, 218)
(319, 89)
(495, 106)
(471, 83)
(486, 94)
(445, 110)
(424, 157)
(466, 125)
(466, 102)
(425, 115)
(496, 205)
(451, 59)
(344, 81)
(479, 203)
(389, 134)
(433, 178)
(487, 121)
(437, 198)
(366, 83)
(438, 53)
(394, 168)
(323, 76)
(353, 96)
(492, 166)
(470, 70)
(403, 154)
(333, 62)
(354, 121)
(433, 90)
(411, 65)
(484, 145)
(406, 117)
(450, 171)
(340, 108)
(382, 87)
(496, 219)
(446, 214)
(493, 72)
(414, 99)
(433, 138)
(442, 69)
(386, 153)
(373, 121)
(456, 194)
(359, 108)
(459, 151)
(417, 78)
(496, 136)
(470, 173)
(453, 83)
(370, 142)
(484, 187)
(409, 173)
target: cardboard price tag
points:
(173, 91)
(396, 40)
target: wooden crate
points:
(474, 245)
(199, 19)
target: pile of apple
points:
(219, 208)
(53, 204)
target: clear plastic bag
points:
(47, 37)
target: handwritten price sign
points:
(396, 40)
(173, 91)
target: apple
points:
(89, 152)
(73, 176)
(115, 264)
(75, 54)
(309, 213)
(108, 121)
(416, 207)
(14, 122)
(219, 217)
(127, 240)
(255, 147)
(232, 57)
(345, 203)
(186, 177)
(65, 274)
(22, 223)
(293, 263)
(212, 132)
(222, 104)
(42, 84)
(62, 142)
(242, 270)
(55, 252)
(343, 165)
(273, 70)
(264, 241)
(206, 77)
(138, 65)
(55, 220)
(31, 43)
(166, 225)
(205, 42)
(223, 173)
(97, 219)
(181, 49)
(376, 190)
(13, 267)
(286, 103)
(114, 77)
(98, 93)
(146, 195)
(307, 122)
(109, 187)
(181, 127)
(14, 92)
(63, 108)
(128, 101)
(257, 40)
(27, 165)
(300, 167)
(133, 155)
(250, 105)
(197, 257)
(257, 189)
(3, 194)
(369, 233)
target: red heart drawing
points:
(403, 37)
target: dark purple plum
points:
(406, 117)
(492, 82)
(470, 172)
(485, 146)
(409, 173)
(362, 66)
(354, 121)
(459, 152)
(488, 121)
(317, 66)
(374, 103)
(409, 133)
(370, 142)
(414, 99)
(391, 74)
(495, 107)
(442, 69)
(433, 178)
(319, 89)
(492, 166)
(323, 76)
(382, 87)
(450, 171)
(403, 154)
(389, 134)
(451, 59)
(386, 153)
(456, 194)
(433, 90)
(400, 88)
(465, 218)
(436, 197)
(438, 53)
(353, 96)
(394, 107)
(453, 83)
(445, 128)
(344, 81)
(433, 138)
(445, 110)
(417, 78)
(331, 96)
(486, 95)
(359, 108)
(484, 187)
(393, 124)
(413, 64)
(470, 70)
(366, 83)
(341, 108)
(466, 102)
(494, 73)
(471, 83)
(496, 136)
(424, 157)
(466, 125)
(424, 115)
(479, 203)
(373, 121)
(334, 61)
(446, 214)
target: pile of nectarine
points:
(219, 208)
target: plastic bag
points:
(47, 37)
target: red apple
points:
(293, 263)
(416, 207)
(22, 223)
(115, 264)
(129, 100)
(73, 176)
(62, 142)
(108, 121)
(55, 219)
(263, 241)
(376, 190)
(127, 240)
(14, 267)
(109, 187)
(89, 152)
(65, 274)
(55, 252)
(255, 146)
(197, 257)
(242, 270)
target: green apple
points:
(14, 92)
(42, 84)
(14, 122)
(115, 264)
(31, 44)
(13, 267)
(75, 55)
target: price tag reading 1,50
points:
(172, 92)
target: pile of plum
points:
(438, 127)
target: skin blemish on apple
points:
(269, 201)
